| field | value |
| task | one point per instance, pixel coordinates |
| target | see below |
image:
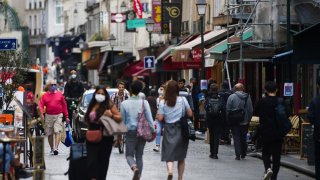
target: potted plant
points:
(13, 72)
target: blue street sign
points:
(8, 44)
(148, 62)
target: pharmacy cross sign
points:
(148, 62)
(8, 44)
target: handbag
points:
(94, 136)
(187, 128)
(143, 127)
(113, 127)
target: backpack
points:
(283, 123)
(224, 98)
(214, 106)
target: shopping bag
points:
(68, 141)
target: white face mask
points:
(160, 92)
(100, 98)
(73, 76)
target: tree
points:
(13, 71)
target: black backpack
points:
(214, 106)
(283, 123)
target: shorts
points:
(53, 123)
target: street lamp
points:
(149, 26)
(123, 7)
(112, 41)
(201, 8)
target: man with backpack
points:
(270, 130)
(314, 117)
(239, 112)
(213, 107)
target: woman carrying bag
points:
(99, 146)
(174, 146)
(130, 109)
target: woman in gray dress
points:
(174, 147)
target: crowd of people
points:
(228, 112)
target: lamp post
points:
(149, 27)
(201, 8)
(123, 7)
(112, 41)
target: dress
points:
(174, 147)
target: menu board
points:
(38, 151)
(306, 149)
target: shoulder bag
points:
(94, 136)
(187, 128)
(143, 127)
(113, 127)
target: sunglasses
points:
(53, 84)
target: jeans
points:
(159, 129)
(272, 149)
(239, 134)
(215, 134)
(134, 150)
(98, 158)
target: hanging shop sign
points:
(136, 23)
(137, 6)
(165, 25)
(171, 11)
(118, 17)
(156, 15)
(130, 15)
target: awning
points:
(165, 53)
(222, 47)
(213, 35)
(133, 68)
(143, 72)
(168, 64)
(118, 60)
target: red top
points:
(54, 103)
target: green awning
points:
(222, 47)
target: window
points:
(30, 24)
(59, 12)
(30, 5)
(35, 24)
(35, 5)
(40, 4)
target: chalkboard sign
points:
(38, 151)
(307, 141)
(38, 174)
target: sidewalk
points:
(291, 161)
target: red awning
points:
(168, 64)
(143, 72)
(133, 68)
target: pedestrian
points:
(213, 107)
(271, 142)
(159, 124)
(73, 91)
(99, 153)
(129, 112)
(185, 91)
(237, 101)
(52, 108)
(224, 93)
(314, 117)
(152, 100)
(195, 90)
(117, 98)
(174, 147)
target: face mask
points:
(100, 98)
(53, 88)
(160, 92)
(73, 76)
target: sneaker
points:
(213, 156)
(135, 173)
(237, 158)
(198, 132)
(51, 151)
(156, 149)
(243, 156)
(268, 174)
(55, 152)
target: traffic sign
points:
(8, 44)
(136, 23)
(148, 62)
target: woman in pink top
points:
(99, 153)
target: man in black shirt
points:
(314, 117)
(73, 91)
(271, 141)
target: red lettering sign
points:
(137, 6)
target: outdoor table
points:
(5, 141)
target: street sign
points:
(136, 23)
(148, 62)
(8, 44)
